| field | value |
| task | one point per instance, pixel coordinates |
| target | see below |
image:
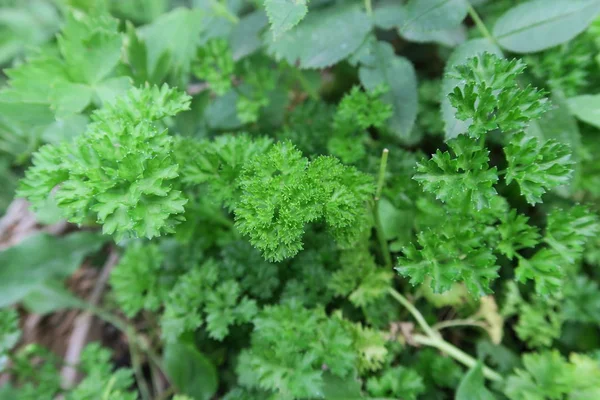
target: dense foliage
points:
(301, 199)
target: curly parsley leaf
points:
(537, 168)
(491, 97)
(464, 177)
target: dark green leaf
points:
(462, 53)
(190, 371)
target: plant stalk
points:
(385, 251)
(381, 178)
(369, 8)
(457, 354)
(130, 332)
(480, 25)
(434, 339)
(415, 313)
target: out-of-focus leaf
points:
(379, 66)
(540, 24)
(190, 371)
(40, 258)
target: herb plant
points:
(297, 199)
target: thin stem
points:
(137, 370)
(459, 322)
(369, 7)
(381, 178)
(456, 353)
(130, 332)
(415, 313)
(385, 251)
(480, 25)
(167, 393)
(434, 339)
(221, 9)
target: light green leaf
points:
(433, 15)
(65, 129)
(70, 98)
(335, 388)
(190, 371)
(380, 66)
(176, 33)
(324, 38)
(109, 89)
(541, 24)
(285, 14)
(462, 53)
(27, 25)
(586, 108)
(472, 386)
(39, 258)
(91, 47)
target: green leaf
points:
(50, 296)
(490, 97)
(91, 47)
(472, 386)
(540, 24)
(586, 108)
(547, 375)
(462, 178)
(432, 15)
(559, 124)
(26, 24)
(516, 234)
(335, 388)
(399, 382)
(324, 38)
(39, 258)
(190, 371)
(285, 14)
(568, 231)
(245, 37)
(544, 268)
(381, 67)
(392, 15)
(451, 255)
(472, 48)
(537, 168)
(176, 33)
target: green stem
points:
(385, 251)
(457, 354)
(137, 370)
(129, 331)
(480, 25)
(369, 7)
(222, 10)
(381, 178)
(415, 313)
(458, 322)
(434, 339)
